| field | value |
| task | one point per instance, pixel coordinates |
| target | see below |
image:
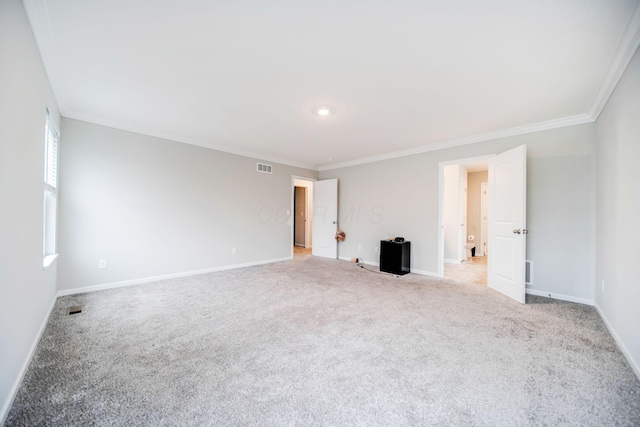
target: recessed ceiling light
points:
(324, 110)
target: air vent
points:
(528, 272)
(264, 168)
(76, 309)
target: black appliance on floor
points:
(395, 256)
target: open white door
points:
(325, 218)
(507, 222)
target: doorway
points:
(506, 235)
(299, 216)
(463, 235)
(302, 225)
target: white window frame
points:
(49, 244)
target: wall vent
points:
(264, 168)
(528, 272)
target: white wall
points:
(462, 212)
(401, 195)
(455, 212)
(561, 224)
(26, 290)
(618, 194)
(451, 201)
(154, 207)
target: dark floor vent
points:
(76, 309)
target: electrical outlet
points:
(375, 249)
(103, 264)
(359, 247)
(234, 250)
(603, 286)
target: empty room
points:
(319, 213)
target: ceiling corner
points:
(628, 45)
(38, 15)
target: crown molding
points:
(520, 130)
(624, 53)
(188, 140)
(38, 15)
(626, 49)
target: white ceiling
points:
(403, 76)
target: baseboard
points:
(140, 281)
(25, 365)
(425, 273)
(375, 264)
(621, 346)
(452, 261)
(561, 297)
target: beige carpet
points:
(323, 343)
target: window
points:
(50, 192)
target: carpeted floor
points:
(322, 342)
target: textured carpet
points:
(322, 342)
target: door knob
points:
(525, 231)
(516, 231)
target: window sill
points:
(48, 260)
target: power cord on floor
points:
(360, 263)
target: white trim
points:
(468, 160)
(39, 18)
(25, 365)
(198, 142)
(626, 49)
(140, 281)
(375, 264)
(441, 166)
(425, 273)
(48, 260)
(489, 136)
(364, 261)
(307, 232)
(484, 223)
(560, 297)
(452, 261)
(621, 346)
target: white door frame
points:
(463, 185)
(307, 230)
(484, 212)
(305, 213)
(441, 203)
